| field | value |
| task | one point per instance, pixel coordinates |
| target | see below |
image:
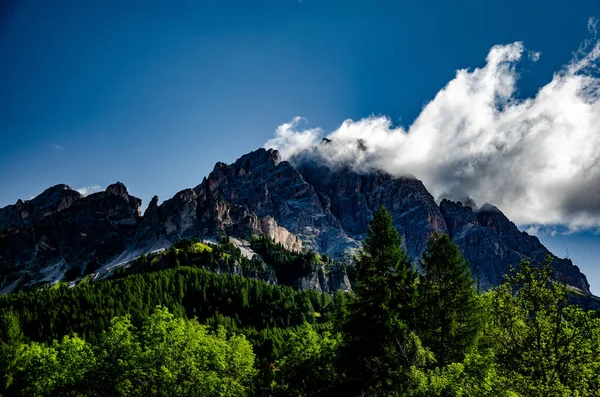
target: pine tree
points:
(449, 311)
(378, 344)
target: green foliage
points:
(224, 257)
(397, 334)
(59, 369)
(449, 312)
(48, 314)
(166, 356)
(305, 366)
(543, 344)
(534, 344)
(11, 340)
(377, 338)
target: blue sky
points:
(154, 93)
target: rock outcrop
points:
(52, 200)
(491, 243)
(353, 198)
(94, 228)
(268, 187)
(325, 279)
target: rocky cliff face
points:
(52, 200)
(268, 187)
(491, 242)
(353, 198)
(94, 229)
(324, 279)
(302, 206)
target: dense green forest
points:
(169, 325)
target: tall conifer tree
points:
(448, 301)
(377, 339)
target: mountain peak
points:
(487, 207)
(117, 188)
(55, 189)
(261, 155)
(54, 199)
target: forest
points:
(179, 323)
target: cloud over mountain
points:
(87, 190)
(538, 158)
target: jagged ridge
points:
(302, 206)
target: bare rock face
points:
(52, 200)
(98, 226)
(279, 234)
(268, 187)
(491, 243)
(236, 200)
(117, 188)
(353, 198)
(179, 213)
(150, 227)
(330, 279)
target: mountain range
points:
(302, 204)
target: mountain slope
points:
(304, 206)
(91, 230)
(491, 242)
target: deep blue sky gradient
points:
(154, 93)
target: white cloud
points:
(593, 26)
(289, 140)
(533, 230)
(57, 147)
(534, 55)
(537, 159)
(553, 230)
(87, 190)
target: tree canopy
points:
(172, 326)
(449, 309)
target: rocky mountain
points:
(305, 206)
(64, 230)
(491, 241)
(52, 200)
